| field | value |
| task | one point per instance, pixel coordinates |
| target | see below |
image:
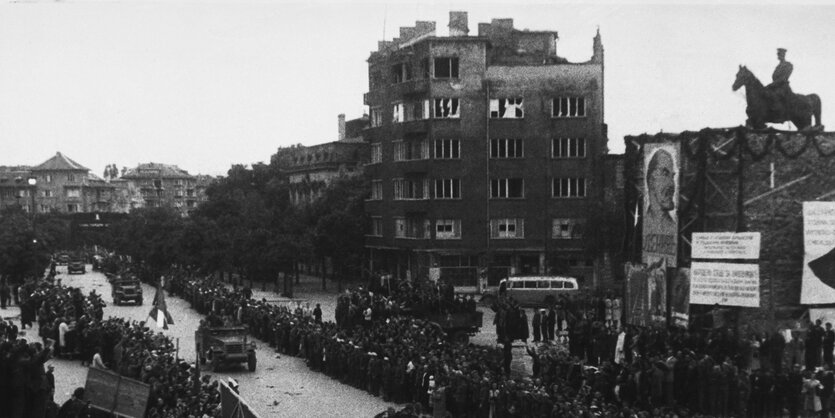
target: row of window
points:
(450, 149)
(450, 188)
(449, 108)
(444, 67)
(500, 228)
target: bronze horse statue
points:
(799, 108)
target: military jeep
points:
(225, 345)
(126, 289)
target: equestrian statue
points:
(776, 103)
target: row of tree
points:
(250, 228)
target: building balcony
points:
(412, 127)
(412, 206)
(407, 167)
(374, 98)
(411, 87)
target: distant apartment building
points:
(58, 185)
(310, 169)
(61, 185)
(158, 185)
(487, 154)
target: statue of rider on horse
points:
(776, 103)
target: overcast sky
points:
(208, 84)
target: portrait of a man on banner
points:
(661, 192)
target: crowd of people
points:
(631, 372)
(607, 369)
(71, 326)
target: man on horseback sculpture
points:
(779, 87)
(776, 103)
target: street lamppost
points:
(33, 183)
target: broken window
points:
(446, 67)
(446, 108)
(568, 107)
(506, 108)
(567, 228)
(418, 110)
(397, 73)
(398, 113)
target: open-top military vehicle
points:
(224, 345)
(125, 288)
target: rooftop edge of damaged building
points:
(507, 45)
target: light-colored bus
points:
(538, 290)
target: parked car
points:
(76, 266)
(536, 290)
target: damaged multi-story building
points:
(487, 155)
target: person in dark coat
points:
(795, 387)
(524, 334)
(76, 406)
(828, 343)
(536, 324)
(550, 323)
(814, 342)
(317, 313)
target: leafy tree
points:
(27, 243)
(340, 227)
(152, 236)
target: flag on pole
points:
(159, 313)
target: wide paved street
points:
(282, 386)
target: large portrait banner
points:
(661, 191)
(818, 285)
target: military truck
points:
(225, 345)
(124, 289)
(76, 265)
(458, 326)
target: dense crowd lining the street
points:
(72, 323)
(631, 372)
(377, 346)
